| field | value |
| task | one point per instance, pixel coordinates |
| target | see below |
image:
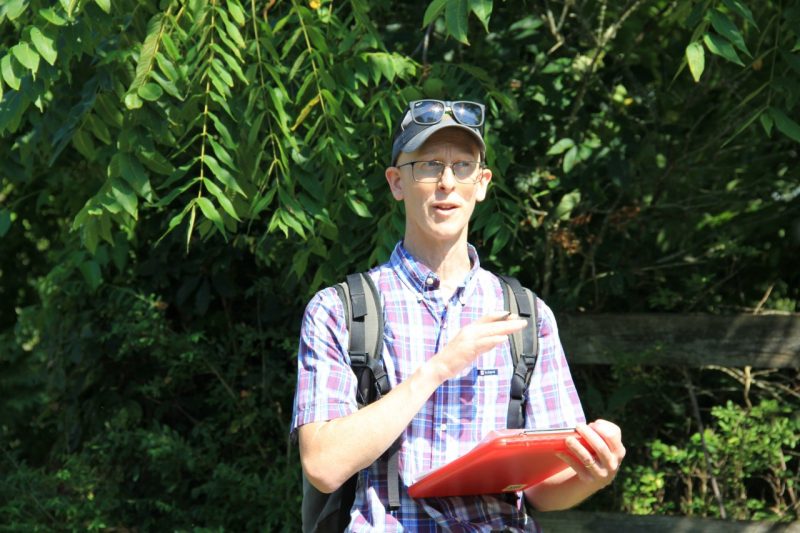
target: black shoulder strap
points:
(524, 346)
(364, 313)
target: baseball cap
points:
(423, 118)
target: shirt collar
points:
(421, 278)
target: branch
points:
(696, 411)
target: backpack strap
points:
(524, 346)
(364, 312)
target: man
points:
(446, 352)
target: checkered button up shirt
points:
(418, 324)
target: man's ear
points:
(395, 181)
(483, 184)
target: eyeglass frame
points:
(448, 105)
(475, 179)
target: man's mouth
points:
(445, 207)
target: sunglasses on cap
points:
(429, 112)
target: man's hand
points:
(473, 340)
(599, 463)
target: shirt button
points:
(443, 427)
(429, 281)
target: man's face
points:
(439, 212)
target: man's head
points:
(438, 172)
(423, 118)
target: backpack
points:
(360, 297)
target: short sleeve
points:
(325, 382)
(552, 398)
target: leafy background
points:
(177, 178)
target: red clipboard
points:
(507, 460)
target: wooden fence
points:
(761, 341)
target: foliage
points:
(754, 460)
(177, 178)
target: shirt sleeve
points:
(326, 384)
(552, 398)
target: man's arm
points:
(592, 468)
(332, 451)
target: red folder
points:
(507, 460)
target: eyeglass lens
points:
(433, 170)
(467, 113)
(431, 111)
(428, 111)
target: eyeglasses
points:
(432, 171)
(428, 112)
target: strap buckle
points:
(359, 359)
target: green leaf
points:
(719, 46)
(68, 6)
(236, 12)
(223, 175)
(150, 92)
(561, 146)
(223, 200)
(728, 29)
(169, 46)
(15, 8)
(211, 213)
(455, 18)
(52, 17)
(156, 162)
(132, 101)
(9, 72)
(91, 273)
(358, 207)
(27, 56)
(216, 64)
(740, 9)
(766, 122)
(221, 153)
(570, 158)
(785, 125)
(500, 240)
(105, 5)
(232, 63)
(84, 144)
(147, 54)
(5, 222)
(433, 11)
(696, 57)
(482, 10)
(125, 196)
(233, 31)
(381, 64)
(44, 45)
(568, 202)
(133, 172)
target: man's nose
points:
(448, 180)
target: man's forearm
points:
(333, 451)
(562, 491)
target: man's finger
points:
(504, 327)
(495, 316)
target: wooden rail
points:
(662, 339)
(581, 521)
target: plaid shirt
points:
(418, 324)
